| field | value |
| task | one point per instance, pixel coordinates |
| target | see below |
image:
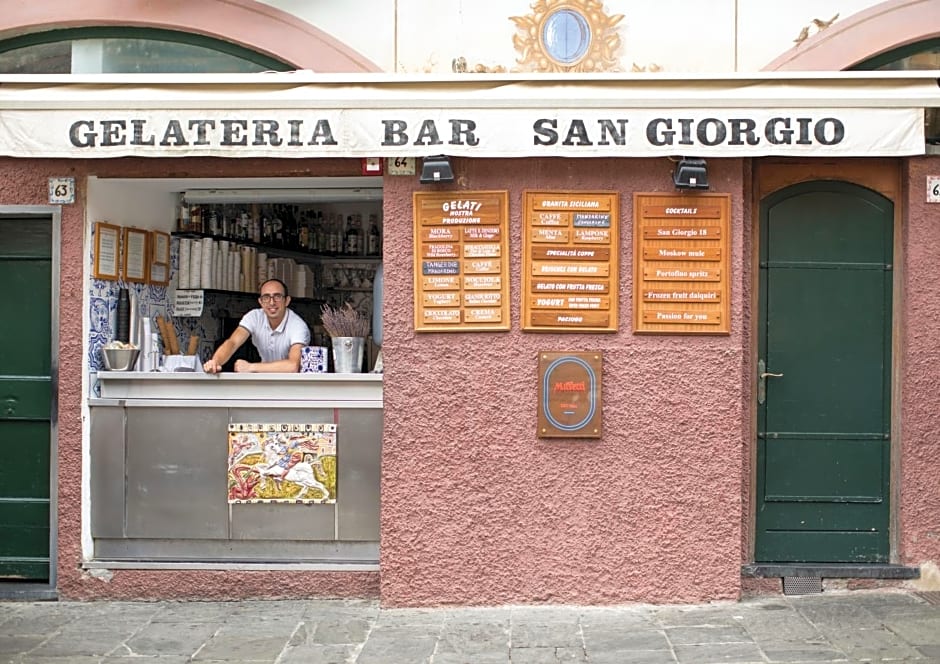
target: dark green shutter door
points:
(824, 425)
(25, 397)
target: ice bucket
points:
(347, 354)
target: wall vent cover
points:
(802, 585)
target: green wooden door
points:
(823, 442)
(25, 397)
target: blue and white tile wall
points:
(152, 301)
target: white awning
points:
(304, 115)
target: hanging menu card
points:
(681, 283)
(570, 261)
(461, 261)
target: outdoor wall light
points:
(436, 169)
(690, 173)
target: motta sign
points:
(516, 132)
(570, 394)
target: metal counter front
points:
(158, 472)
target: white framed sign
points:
(933, 188)
(188, 303)
(61, 191)
(400, 165)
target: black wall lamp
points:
(690, 173)
(436, 169)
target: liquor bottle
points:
(319, 234)
(289, 226)
(241, 223)
(251, 221)
(215, 225)
(353, 237)
(185, 221)
(336, 231)
(360, 235)
(374, 242)
(265, 228)
(195, 218)
(277, 225)
(303, 231)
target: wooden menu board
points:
(570, 261)
(461, 261)
(681, 247)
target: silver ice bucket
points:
(347, 354)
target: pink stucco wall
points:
(919, 476)
(477, 510)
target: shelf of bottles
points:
(306, 229)
(338, 246)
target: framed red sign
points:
(570, 395)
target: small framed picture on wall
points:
(159, 258)
(107, 243)
(136, 255)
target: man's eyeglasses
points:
(273, 297)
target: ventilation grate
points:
(802, 585)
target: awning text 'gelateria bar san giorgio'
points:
(521, 118)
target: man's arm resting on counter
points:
(289, 365)
(224, 352)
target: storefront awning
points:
(304, 115)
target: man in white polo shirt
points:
(277, 332)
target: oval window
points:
(566, 36)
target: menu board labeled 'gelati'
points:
(680, 259)
(461, 261)
(570, 261)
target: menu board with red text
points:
(570, 262)
(681, 282)
(461, 261)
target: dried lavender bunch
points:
(344, 321)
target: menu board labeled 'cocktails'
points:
(570, 262)
(681, 280)
(461, 261)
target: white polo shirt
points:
(274, 345)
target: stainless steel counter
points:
(158, 475)
(362, 390)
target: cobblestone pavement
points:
(841, 627)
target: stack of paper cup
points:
(183, 273)
(207, 254)
(195, 266)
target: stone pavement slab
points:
(860, 626)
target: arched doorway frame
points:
(886, 26)
(252, 25)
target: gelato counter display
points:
(161, 469)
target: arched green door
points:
(26, 398)
(824, 388)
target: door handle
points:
(763, 375)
